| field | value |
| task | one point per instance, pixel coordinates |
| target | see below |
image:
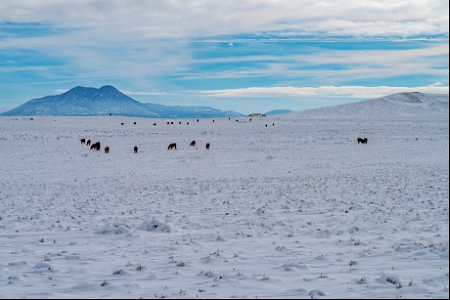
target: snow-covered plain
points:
(295, 210)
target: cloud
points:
(356, 92)
(211, 17)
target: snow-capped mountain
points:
(107, 100)
(397, 106)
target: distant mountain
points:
(278, 112)
(398, 106)
(190, 111)
(107, 100)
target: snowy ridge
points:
(397, 106)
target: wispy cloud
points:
(211, 17)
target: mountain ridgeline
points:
(418, 106)
(107, 100)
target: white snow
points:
(406, 106)
(295, 210)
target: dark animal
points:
(168, 123)
(154, 124)
(193, 143)
(136, 149)
(122, 124)
(83, 141)
(187, 123)
(96, 146)
(88, 143)
(266, 125)
(273, 124)
(208, 146)
(134, 123)
(172, 147)
(198, 120)
(251, 119)
(362, 141)
(171, 123)
(179, 123)
(106, 150)
(214, 121)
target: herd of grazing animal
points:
(97, 146)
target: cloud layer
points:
(210, 17)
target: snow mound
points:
(155, 226)
(114, 229)
(398, 106)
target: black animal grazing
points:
(363, 141)
(172, 147)
(154, 124)
(88, 143)
(193, 143)
(208, 146)
(136, 149)
(96, 146)
(83, 141)
(106, 150)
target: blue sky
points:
(247, 55)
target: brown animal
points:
(193, 143)
(106, 150)
(96, 146)
(136, 149)
(88, 143)
(83, 141)
(172, 147)
(208, 146)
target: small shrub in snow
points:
(155, 226)
(119, 272)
